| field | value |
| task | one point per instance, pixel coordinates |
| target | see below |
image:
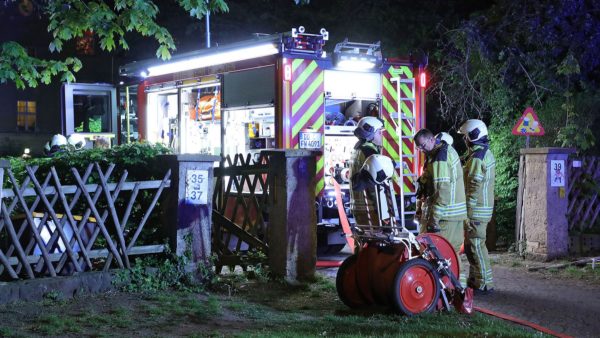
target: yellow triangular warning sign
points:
(528, 124)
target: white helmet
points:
(379, 168)
(473, 129)
(58, 140)
(443, 136)
(77, 141)
(367, 126)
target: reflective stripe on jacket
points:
(480, 172)
(445, 176)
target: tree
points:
(518, 54)
(110, 21)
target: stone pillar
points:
(189, 206)
(542, 202)
(292, 234)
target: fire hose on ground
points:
(336, 264)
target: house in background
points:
(29, 117)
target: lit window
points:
(26, 115)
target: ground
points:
(239, 306)
(566, 300)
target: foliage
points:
(52, 297)
(519, 54)
(131, 157)
(140, 160)
(27, 71)
(151, 274)
(256, 262)
(110, 21)
(505, 148)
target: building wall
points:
(31, 32)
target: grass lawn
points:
(236, 307)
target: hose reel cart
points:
(391, 267)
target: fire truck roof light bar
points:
(355, 64)
(239, 54)
(357, 56)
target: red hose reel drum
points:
(382, 274)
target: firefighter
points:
(479, 173)
(424, 189)
(443, 183)
(354, 119)
(369, 132)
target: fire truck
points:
(281, 91)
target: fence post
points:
(292, 234)
(542, 216)
(4, 164)
(189, 205)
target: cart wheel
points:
(416, 287)
(345, 283)
(446, 250)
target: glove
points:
(418, 211)
(433, 227)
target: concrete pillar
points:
(189, 205)
(542, 202)
(292, 234)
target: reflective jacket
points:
(480, 172)
(445, 179)
(362, 195)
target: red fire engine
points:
(281, 91)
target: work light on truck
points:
(357, 56)
(201, 61)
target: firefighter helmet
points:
(473, 129)
(55, 145)
(77, 141)
(367, 126)
(379, 168)
(443, 136)
(58, 140)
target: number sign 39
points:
(196, 186)
(557, 173)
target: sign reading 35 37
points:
(196, 186)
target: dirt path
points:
(565, 305)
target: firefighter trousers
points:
(480, 270)
(453, 232)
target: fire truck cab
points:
(281, 91)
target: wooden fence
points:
(49, 229)
(240, 210)
(583, 191)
